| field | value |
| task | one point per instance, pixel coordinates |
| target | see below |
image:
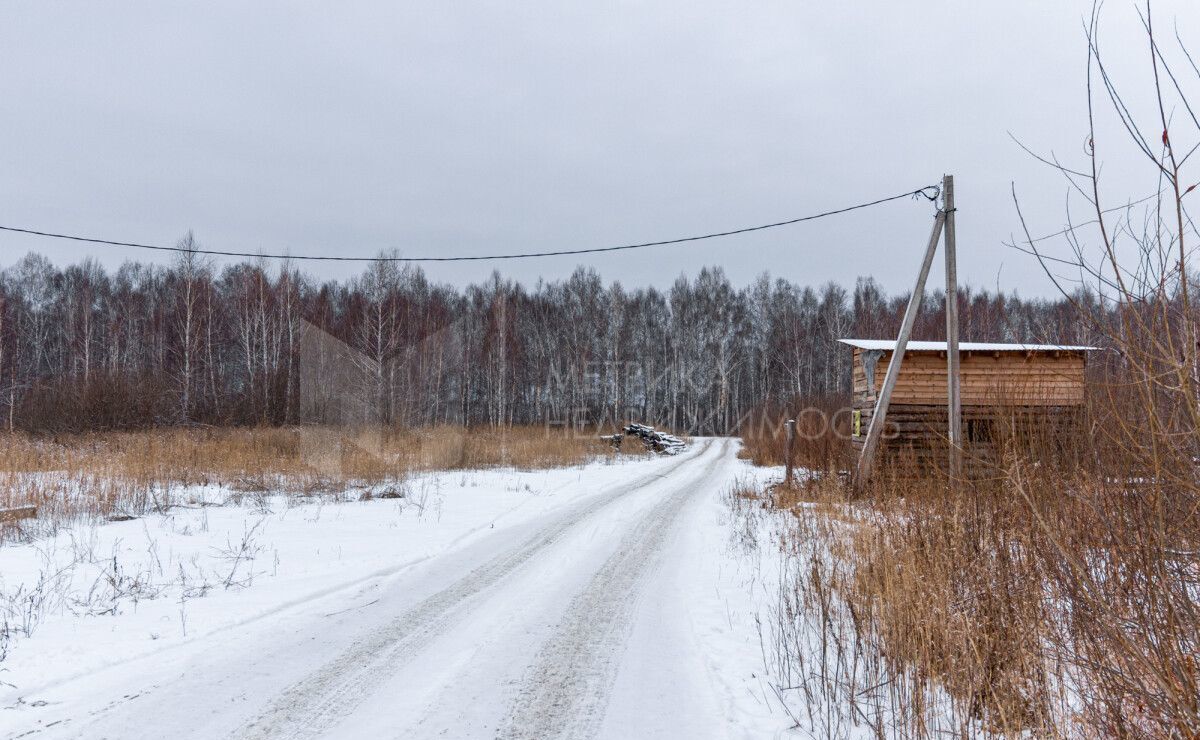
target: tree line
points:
(84, 348)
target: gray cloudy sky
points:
(475, 128)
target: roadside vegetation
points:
(1036, 600)
(822, 431)
(72, 477)
(179, 482)
(1056, 591)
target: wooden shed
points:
(1037, 387)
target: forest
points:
(83, 348)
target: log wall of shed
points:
(987, 379)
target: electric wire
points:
(930, 192)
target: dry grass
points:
(1037, 600)
(822, 434)
(127, 473)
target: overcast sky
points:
(477, 128)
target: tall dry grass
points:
(1044, 598)
(100, 475)
(822, 434)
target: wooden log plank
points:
(976, 356)
(974, 367)
(996, 390)
(997, 386)
(933, 364)
(1063, 397)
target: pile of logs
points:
(655, 441)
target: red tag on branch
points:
(1165, 142)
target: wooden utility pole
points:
(791, 445)
(953, 391)
(875, 431)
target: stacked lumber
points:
(655, 441)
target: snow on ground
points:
(608, 600)
(163, 580)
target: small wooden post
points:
(953, 390)
(791, 446)
(874, 432)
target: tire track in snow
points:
(565, 691)
(312, 705)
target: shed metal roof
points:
(889, 345)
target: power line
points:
(930, 192)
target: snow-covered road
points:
(620, 612)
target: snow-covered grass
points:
(89, 477)
(829, 675)
(97, 592)
(441, 611)
(1026, 606)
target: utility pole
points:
(953, 390)
(875, 432)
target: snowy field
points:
(610, 600)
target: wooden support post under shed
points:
(953, 389)
(875, 431)
(791, 445)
